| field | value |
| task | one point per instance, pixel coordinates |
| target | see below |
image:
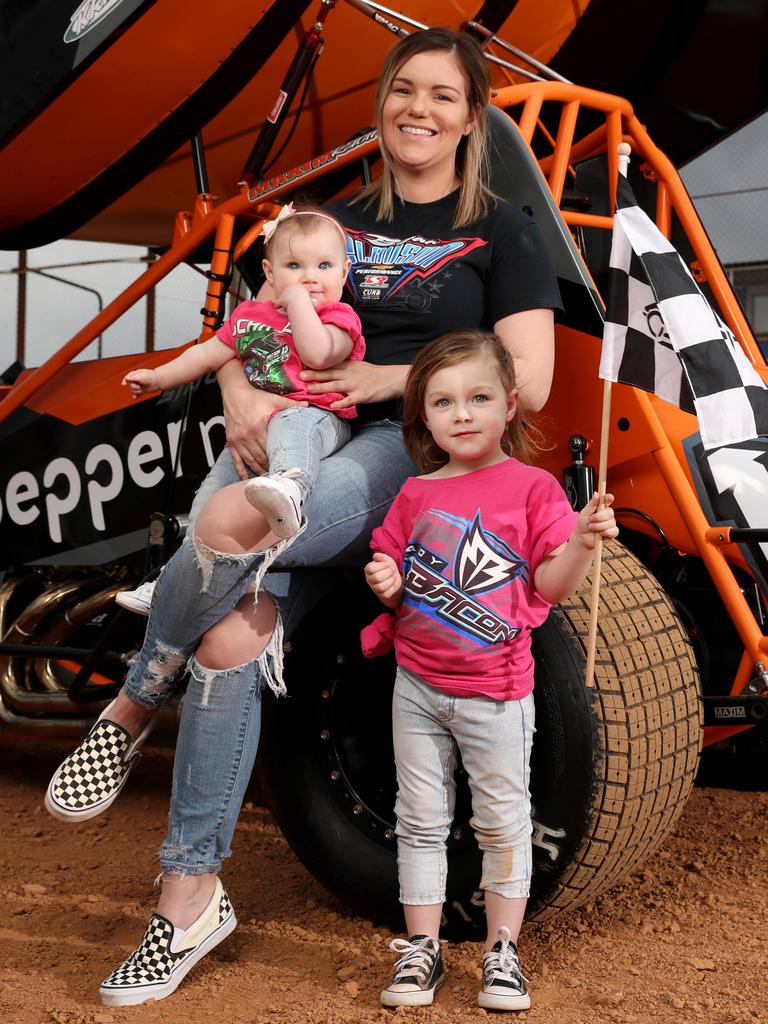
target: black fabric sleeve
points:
(521, 275)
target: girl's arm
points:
(192, 364)
(562, 572)
(529, 337)
(384, 579)
(319, 345)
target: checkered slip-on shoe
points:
(90, 779)
(160, 963)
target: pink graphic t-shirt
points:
(468, 547)
(261, 336)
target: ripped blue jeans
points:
(221, 715)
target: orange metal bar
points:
(587, 220)
(559, 92)
(585, 148)
(663, 210)
(551, 140)
(613, 135)
(95, 677)
(722, 576)
(217, 282)
(565, 133)
(205, 203)
(248, 237)
(530, 116)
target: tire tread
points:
(647, 709)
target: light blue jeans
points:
(221, 716)
(299, 438)
(494, 739)
(296, 439)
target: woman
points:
(430, 249)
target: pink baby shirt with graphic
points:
(468, 547)
(261, 336)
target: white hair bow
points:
(270, 226)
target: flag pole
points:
(602, 472)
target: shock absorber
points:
(310, 48)
(578, 478)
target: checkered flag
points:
(663, 336)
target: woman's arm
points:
(529, 337)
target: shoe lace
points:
(417, 957)
(504, 962)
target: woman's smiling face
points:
(426, 113)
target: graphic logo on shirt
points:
(263, 355)
(480, 568)
(382, 267)
(446, 592)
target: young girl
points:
(471, 555)
(306, 327)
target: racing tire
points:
(611, 769)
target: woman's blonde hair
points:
(519, 438)
(472, 165)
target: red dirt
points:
(682, 940)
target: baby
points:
(306, 326)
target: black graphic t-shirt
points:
(417, 277)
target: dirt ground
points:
(683, 940)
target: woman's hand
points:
(247, 412)
(359, 381)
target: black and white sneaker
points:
(504, 987)
(278, 498)
(90, 779)
(166, 954)
(419, 972)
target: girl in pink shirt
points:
(470, 557)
